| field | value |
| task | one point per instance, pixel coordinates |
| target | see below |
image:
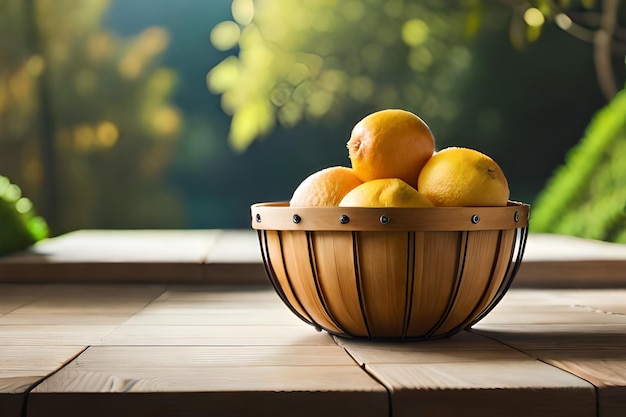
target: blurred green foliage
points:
(119, 87)
(114, 125)
(20, 227)
(586, 197)
(312, 60)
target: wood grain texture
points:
(379, 284)
(462, 347)
(160, 335)
(279, 216)
(471, 375)
(233, 256)
(139, 256)
(22, 367)
(582, 332)
(557, 261)
(495, 387)
(255, 380)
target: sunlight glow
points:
(297, 73)
(224, 75)
(23, 205)
(12, 192)
(225, 35)
(353, 11)
(533, 17)
(130, 67)
(35, 65)
(167, 121)
(84, 137)
(100, 46)
(243, 11)
(414, 32)
(107, 134)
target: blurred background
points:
(161, 114)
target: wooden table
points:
(214, 339)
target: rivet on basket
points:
(343, 219)
(258, 218)
(384, 219)
(516, 216)
(475, 218)
(296, 218)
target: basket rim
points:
(279, 215)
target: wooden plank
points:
(586, 337)
(462, 347)
(209, 335)
(21, 367)
(193, 306)
(69, 315)
(235, 257)
(214, 317)
(209, 381)
(606, 303)
(79, 305)
(595, 353)
(24, 365)
(497, 387)
(605, 369)
(113, 256)
(14, 296)
(446, 376)
(557, 261)
(59, 335)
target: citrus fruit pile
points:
(394, 164)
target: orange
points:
(390, 143)
(456, 177)
(325, 187)
(386, 192)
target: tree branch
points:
(602, 41)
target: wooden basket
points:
(391, 273)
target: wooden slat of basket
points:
(430, 298)
(299, 266)
(383, 267)
(480, 262)
(337, 292)
(276, 268)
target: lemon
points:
(456, 177)
(391, 143)
(385, 192)
(325, 187)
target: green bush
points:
(586, 197)
(19, 226)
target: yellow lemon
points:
(390, 143)
(325, 187)
(386, 192)
(456, 177)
